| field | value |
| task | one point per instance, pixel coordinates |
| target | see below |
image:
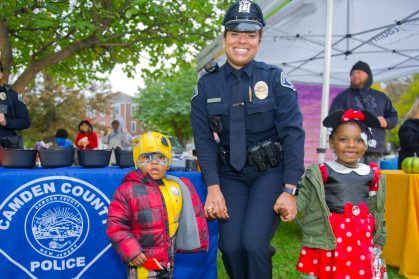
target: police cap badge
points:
(244, 15)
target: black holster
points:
(265, 154)
(13, 142)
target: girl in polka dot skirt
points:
(344, 203)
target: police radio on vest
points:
(211, 66)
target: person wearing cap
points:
(360, 96)
(61, 139)
(14, 114)
(253, 108)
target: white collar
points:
(362, 169)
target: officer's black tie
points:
(237, 128)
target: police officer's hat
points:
(244, 15)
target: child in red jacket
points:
(152, 215)
(86, 138)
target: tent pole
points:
(326, 79)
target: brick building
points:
(122, 106)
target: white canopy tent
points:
(382, 33)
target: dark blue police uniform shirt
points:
(278, 115)
(22, 120)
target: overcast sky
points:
(120, 81)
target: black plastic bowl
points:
(18, 158)
(90, 158)
(124, 158)
(56, 158)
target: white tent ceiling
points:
(383, 33)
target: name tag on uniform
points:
(214, 100)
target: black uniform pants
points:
(245, 237)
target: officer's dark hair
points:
(1, 67)
(361, 125)
(260, 32)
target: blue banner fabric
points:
(53, 225)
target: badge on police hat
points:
(3, 96)
(244, 6)
(261, 90)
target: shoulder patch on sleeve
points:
(286, 82)
(195, 92)
(20, 98)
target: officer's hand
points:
(288, 203)
(216, 202)
(2, 120)
(139, 260)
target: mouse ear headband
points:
(338, 116)
(365, 116)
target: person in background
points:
(86, 138)
(61, 139)
(117, 136)
(11, 103)
(409, 134)
(360, 96)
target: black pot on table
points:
(90, 158)
(124, 158)
(18, 158)
(56, 158)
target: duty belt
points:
(262, 155)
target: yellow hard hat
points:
(152, 142)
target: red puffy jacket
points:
(91, 136)
(137, 214)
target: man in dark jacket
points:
(361, 96)
(11, 102)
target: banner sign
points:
(54, 226)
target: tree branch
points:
(21, 38)
(26, 10)
(29, 29)
(44, 47)
(6, 53)
(102, 44)
(38, 65)
(126, 5)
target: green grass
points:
(287, 242)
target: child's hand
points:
(139, 260)
(379, 246)
(284, 213)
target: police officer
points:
(253, 108)
(12, 103)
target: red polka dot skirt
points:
(353, 256)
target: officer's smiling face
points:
(241, 47)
